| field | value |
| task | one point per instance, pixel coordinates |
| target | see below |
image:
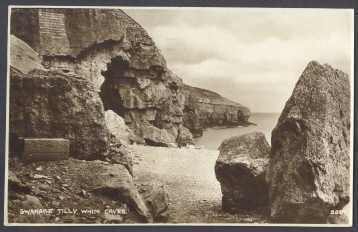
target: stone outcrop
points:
(48, 104)
(240, 169)
(308, 172)
(117, 56)
(204, 108)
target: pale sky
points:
(252, 56)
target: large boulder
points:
(116, 182)
(118, 128)
(309, 169)
(240, 169)
(54, 105)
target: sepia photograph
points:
(179, 116)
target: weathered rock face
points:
(240, 169)
(150, 101)
(310, 160)
(53, 105)
(204, 108)
(116, 55)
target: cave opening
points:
(114, 77)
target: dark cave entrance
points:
(114, 77)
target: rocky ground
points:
(82, 192)
(194, 192)
(60, 185)
(186, 174)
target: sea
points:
(212, 137)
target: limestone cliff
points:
(118, 57)
(204, 108)
(52, 104)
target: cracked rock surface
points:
(308, 172)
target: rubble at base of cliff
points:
(78, 191)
